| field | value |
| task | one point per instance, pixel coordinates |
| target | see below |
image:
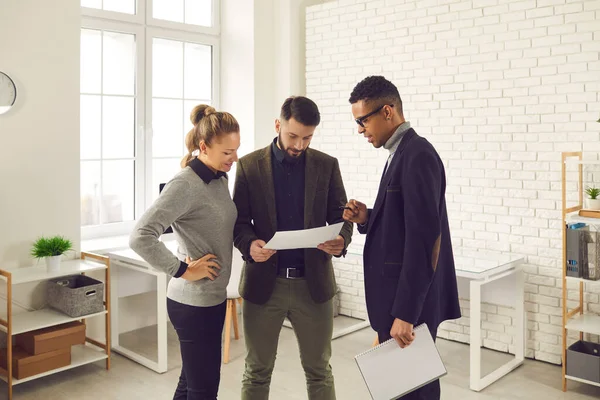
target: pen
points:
(345, 208)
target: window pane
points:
(90, 193)
(91, 3)
(122, 6)
(198, 71)
(118, 63)
(163, 170)
(91, 60)
(118, 127)
(118, 191)
(198, 12)
(90, 126)
(167, 128)
(170, 10)
(167, 68)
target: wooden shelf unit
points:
(576, 319)
(14, 324)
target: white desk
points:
(482, 269)
(131, 275)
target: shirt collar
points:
(204, 172)
(277, 152)
(280, 154)
(394, 141)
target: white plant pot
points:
(593, 204)
(53, 263)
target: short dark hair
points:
(302, 109)
(376, 89)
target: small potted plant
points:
(593, 203)
(51, 248)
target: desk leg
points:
(477, 382)
(161, 308)
(114, 305)
(160, 365)
(520, 316)
(475, 335)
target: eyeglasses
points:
(360, 120)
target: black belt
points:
(291, 272)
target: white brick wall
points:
(500, 88)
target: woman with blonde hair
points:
(197, 204)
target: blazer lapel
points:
(311, 177)
(381, 194)
(409, 135)
(265, 170)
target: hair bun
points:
(201, 111)
(209, 110)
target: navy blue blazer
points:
(408, 259)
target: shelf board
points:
(39, 273)
(574, 279)
(80, 355)
(32, 320)
(572, 378)
(586, 323)
(574, 218)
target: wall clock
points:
(8, 93)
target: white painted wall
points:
(262, 62)
(39, 136)
(39, 154)
(237, 67)
(500, 90)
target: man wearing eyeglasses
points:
(408, 262)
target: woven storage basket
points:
(76, 295)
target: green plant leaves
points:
(592, 192)
(51, 246)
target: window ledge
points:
(106, 244)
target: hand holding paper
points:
(305, 238)
(333, 247)
(258, 251)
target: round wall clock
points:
(8, 93)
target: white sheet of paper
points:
(305, 238)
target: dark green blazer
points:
(254, 196)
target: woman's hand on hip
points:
(202, 268)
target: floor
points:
(127, 380)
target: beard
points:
(287, 151)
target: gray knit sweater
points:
(198, 206)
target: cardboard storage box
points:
(25, 365)
(52, 338)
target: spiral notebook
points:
(390, 371)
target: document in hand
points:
(390, 371)
(305, 238)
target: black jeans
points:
(431, 391)
(199, 330)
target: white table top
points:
(131, 256)
(470, 263)
(480, 265)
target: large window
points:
(144, 65)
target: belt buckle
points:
(287, 273)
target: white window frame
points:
(168, 34)
(145, 28)
(179, 26)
